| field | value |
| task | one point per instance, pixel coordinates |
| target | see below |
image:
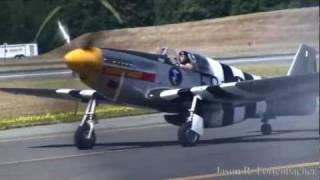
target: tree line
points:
(20, 20)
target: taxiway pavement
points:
(145, 147)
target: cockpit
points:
(187, 60)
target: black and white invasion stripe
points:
(225, 91)
(235, 114)
(225, 94)
(226, 73)
(77, 94)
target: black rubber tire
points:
(266, 129)
(80, 138)
(186, 136)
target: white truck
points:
(18, 51)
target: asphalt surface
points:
(279, 59)
(36, 73)
(144, 147)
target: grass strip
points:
(265, 70)
(103, 111)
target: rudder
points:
(304, 61)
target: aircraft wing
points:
(249, 91)
(70, 94)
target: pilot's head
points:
(183, 58)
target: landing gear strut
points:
(266, 128)
(190, 131)
(85, 137)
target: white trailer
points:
(18, 51)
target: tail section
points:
(304, 61)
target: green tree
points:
(21, 19)
(244, 7)
(5, 20)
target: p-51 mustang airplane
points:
(207, 95)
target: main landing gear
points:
(266, 128)
(186, 136)
(189, 132)
(85, 137)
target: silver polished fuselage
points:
(129, 78)
(135, 78)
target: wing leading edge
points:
(68, 94)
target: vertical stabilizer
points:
(304, 61)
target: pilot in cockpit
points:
(184, 60)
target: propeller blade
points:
(45, 22)
(95, 37)
(91, 39)
(107, 5)
(118, 91)
(64, 32)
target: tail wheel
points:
(81, 139)
(266, 129)
(186, 136)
